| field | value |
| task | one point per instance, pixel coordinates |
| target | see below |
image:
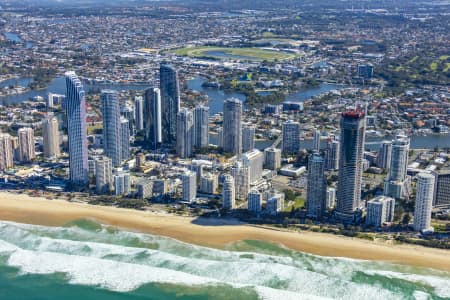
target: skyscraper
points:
(152, 117)
(111, 126)
(332, 155)
(189, 186)
(50, 133)
(76, 128)
(139, 113)
(399, 158)
(127, 112)
(170, 102)
(395, 185)
(316, 140)
(442, 188)
(352, 126)
(291, 137)
(103, 175)
(232, 126)
(254, 161)
(228, 193)
(424, 202)
(241, 175)
(384, 155)
(6, 152)
(254, 201)
(26, 144)
(316, 197)
(201, 126)
(185, 122)
(122, 184)
(248, 138)
(124, 138)
(272, 158)
(380, 210)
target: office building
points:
(160, 186)
(111, 126)
(331, 197)
(272, 158)
(399, 158)
(332, 155)
(209, 183)
(201, 127)
(185, 124)
(275, 204)
(103, 175)
(396, 184)
(442, 188)
(241, 175)
(316, 197)
(124, 139)
(76, 128)
(228, 192)
(6, 152)
(254, 202)
(424, 202)
(189, 180)
(54, 99)
(248, 138)
(144, 189)
(316, 140)
(122, 184)
(232, 126)
(26, 144)
(50, 134)
(220, 137)
(127, 112)
(170, 102)
(384, 155)
(139, 113)
(291, 137)
(365, 71)
(254, 161)
(380, 210)
(352, 127)
(152, 117)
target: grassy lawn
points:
(298, 203)
(91, 128)
(268, 34)
(413, 59)
(252, 54)
(434, 66)
(447, 67)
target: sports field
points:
(251, 54)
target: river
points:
(216, 98)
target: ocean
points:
(86, 260)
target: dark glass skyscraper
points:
(350, 164)
(316, 196)
(152, 117)
(76, 128)
(170, 102)
(232, 126)
(111, 126)
(201, 126)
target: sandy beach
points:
(25, 209)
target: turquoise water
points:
(86, 260)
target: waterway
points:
(11, 36)
(216, 99)
(57, 86)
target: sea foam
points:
(111, 259)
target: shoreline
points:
(215, 233)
